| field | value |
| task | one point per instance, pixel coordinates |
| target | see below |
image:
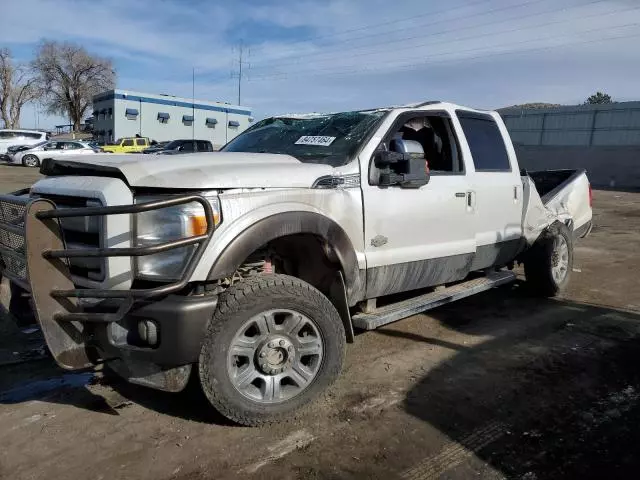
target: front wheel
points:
(30, 161)
(274, 344)
(549, 262)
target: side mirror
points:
(406, 167)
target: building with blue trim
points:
(123, 113)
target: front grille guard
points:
(55, 255)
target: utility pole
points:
(193, 104)
(241, 64)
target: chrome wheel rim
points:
(275, 355)
(30, 161)
(560, 259)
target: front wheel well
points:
(305, 256)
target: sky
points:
(333, 55)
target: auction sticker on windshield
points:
(315, 140)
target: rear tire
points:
(30, 161)
(549, 262)
(273, 345)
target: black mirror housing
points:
(403, 169)
(384, 158)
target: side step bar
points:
(406, 308)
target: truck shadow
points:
(34, 376)
(554, 392)
(189, 404)
(101, 392)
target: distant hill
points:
(532, 105)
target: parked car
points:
(251, 267)
(20, 148)
(181, 146)
(155, 147)
(9, 138)
(127, 145)
(11, 151)
(33, 157)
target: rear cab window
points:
(33, 135)
(485, 141)
(141, 142)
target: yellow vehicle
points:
(127, 145)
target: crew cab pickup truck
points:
(251, 268)
(127, 145)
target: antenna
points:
(193, 104)
(239, 75)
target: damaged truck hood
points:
(196, 170)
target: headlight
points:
(165, 225)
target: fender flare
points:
(291, 223)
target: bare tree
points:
(18, 86)
(70, 77)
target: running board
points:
(406, 308)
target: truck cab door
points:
(127, 145)
(497, 188)
(418, 237)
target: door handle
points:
(461, 194)
(471, 201)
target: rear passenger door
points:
(496, 189)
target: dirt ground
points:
(500, 385)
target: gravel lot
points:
(499, 385)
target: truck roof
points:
(386, 109)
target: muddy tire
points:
(549, 262)
(274, 344)
(30, 161)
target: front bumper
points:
(80, 334)
(179, 322)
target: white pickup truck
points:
(252, 267)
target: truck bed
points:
(549, 182)
(556, 195)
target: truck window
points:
(435, 134)
(127, 142)
(187, 147)
(485, 142)
(204, 146)
(32, 135)
(141, 142)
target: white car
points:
(9, 138)
(55, 148)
